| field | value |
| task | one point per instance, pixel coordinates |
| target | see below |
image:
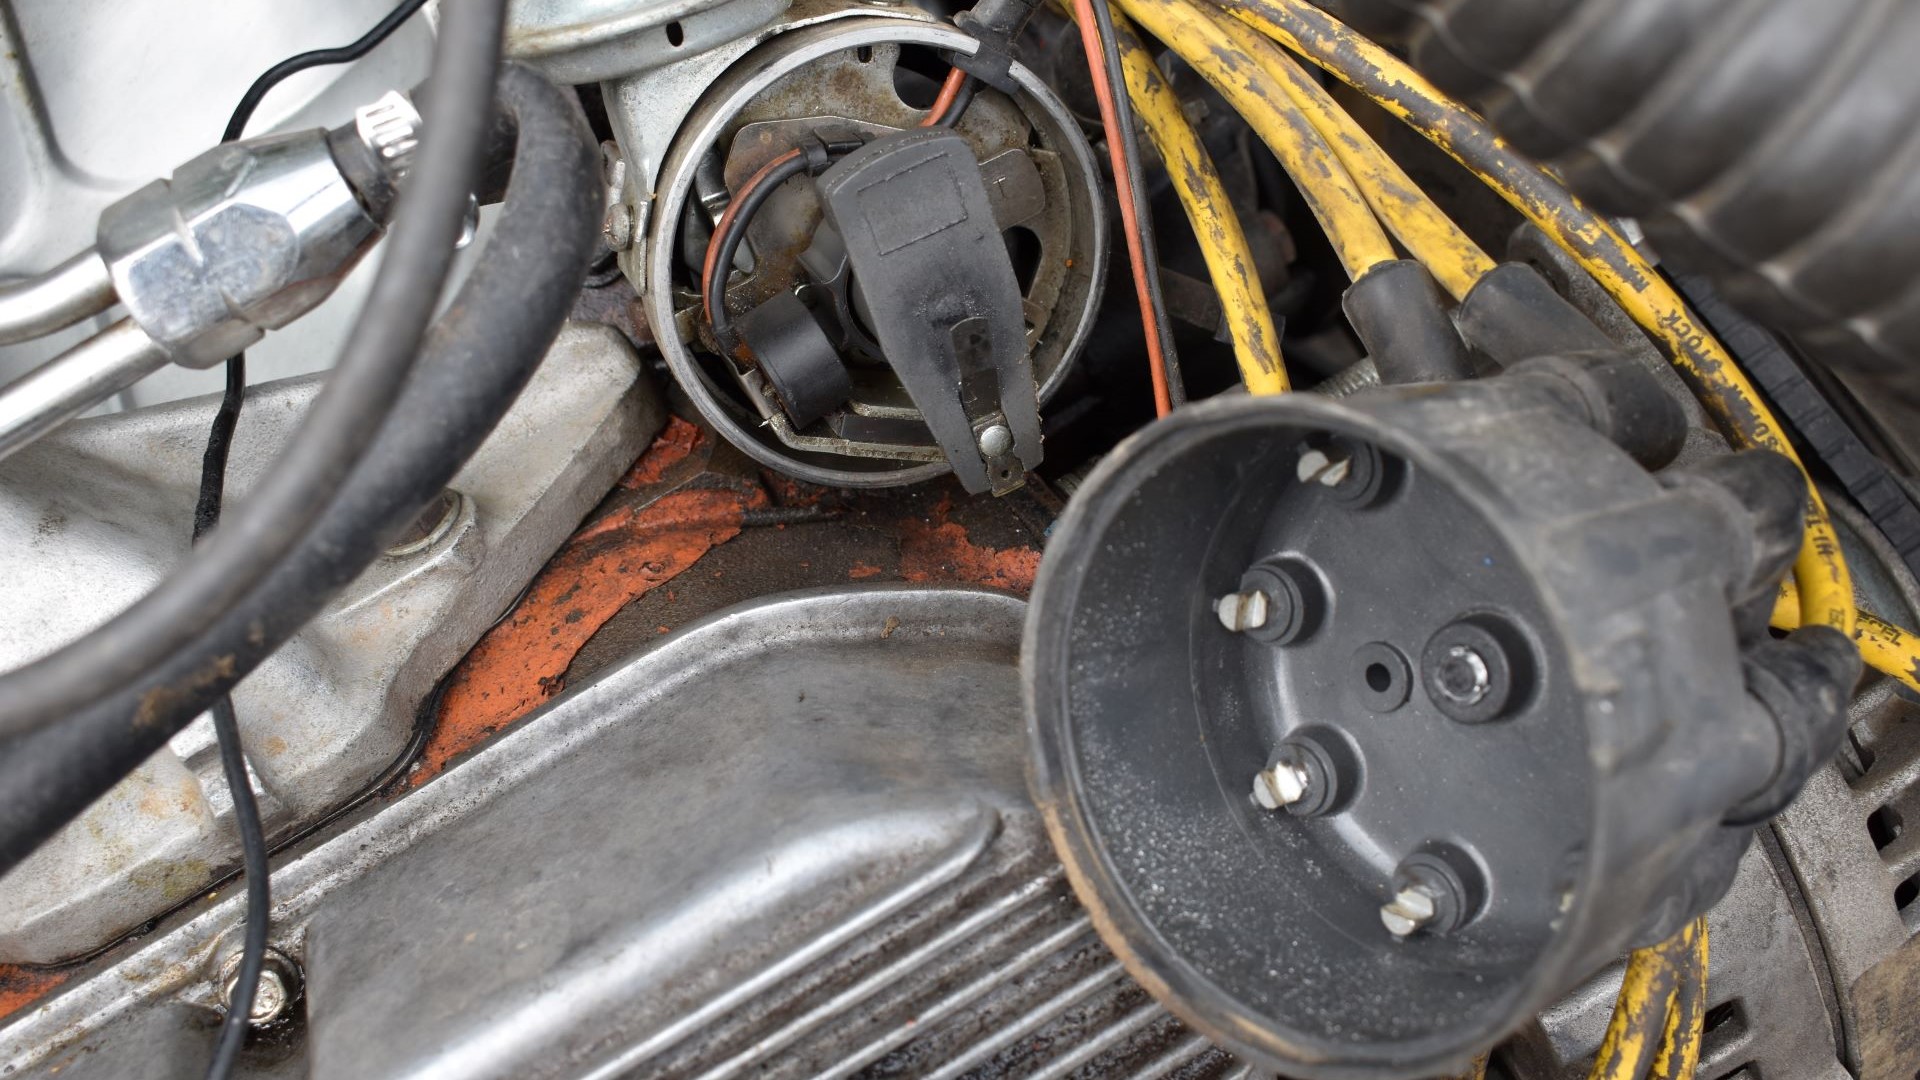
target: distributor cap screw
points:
(1316, 466)
(1243, 611)
(1412, 908)
(1462, 676)
(1281, 784)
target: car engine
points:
(1320, 539)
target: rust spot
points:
(936, 549)
(523, 661)
(887, 628)
(861, 571)
(22, 986)
(274, 746)
(676, 443)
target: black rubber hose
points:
(337, 430)
(1769, 144)
(472, 366)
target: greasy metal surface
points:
(582, 41)
(793, 838)
(1853, 837)
(1053, 1019)
(690, 505)
(1767, 1011)
(109, 503)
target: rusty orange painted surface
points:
(937, 549)
(522, 662)
(21, 987)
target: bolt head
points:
(617, 227)
(270, 998)
(1410, 909)
(1281, 785)
(1243, 610)
(996, 440)
(1318, 467)
(1463, 676)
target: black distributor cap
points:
(1355, 722)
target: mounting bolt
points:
(278, 988)
(1462, 676)
(1414, 907)
(1317, 466)
(1243, 611)
(1281, 784)
(433, 523)
(617, 226)
(995, 440)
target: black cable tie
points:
(992, 63)
(814, 150)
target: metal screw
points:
(275, 993)
(1316, 466)
(1462, 676)
(1410, 909)
(1281, 784)
(617, 226)
(1243, 610)
(996, 440)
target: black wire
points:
(751, 200)
(968, 88)
(206, 514)
(344, 54)
(1130, 151)
(253, 852)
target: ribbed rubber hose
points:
(1770, 144)
(474, 363)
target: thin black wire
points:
(206, 514)
(751, 200)
(1130, 150)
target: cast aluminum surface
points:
(93, 515)
(793, 839)
(581, 41)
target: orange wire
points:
(726, 220)
(948, 91)
(1123, 188)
